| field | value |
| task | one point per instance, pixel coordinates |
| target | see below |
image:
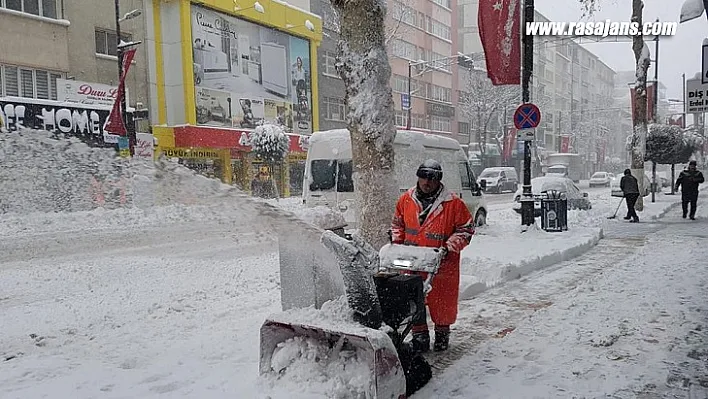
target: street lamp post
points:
(119, 52)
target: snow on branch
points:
(270, 143)
(481, 101)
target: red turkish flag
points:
(500, 31)
(565, 144)
(115, 123)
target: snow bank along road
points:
(628, 319)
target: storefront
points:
(233, 66)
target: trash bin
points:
(554, 212)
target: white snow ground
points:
(627, 320)
(165, 301)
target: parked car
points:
(565, 186)
(600, 179)
(499, 179)
(617, 192)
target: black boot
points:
(421, 341)
(442, 340)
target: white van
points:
(328, 170)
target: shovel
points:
(616, 210)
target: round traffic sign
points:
(527, 116)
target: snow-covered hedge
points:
(669, 144)
(270, 143)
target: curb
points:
(516, 271)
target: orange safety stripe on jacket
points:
(450, 224)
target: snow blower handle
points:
(428, 283)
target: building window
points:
(441, 30)
(404, 49)
(400, 84)
(463, 128)
(404, 13)
(444, 3)
(330, 62)
(107, 43)
(335, 109)
(44, 8)
(27, 82)
(401, 118)
(440, 124)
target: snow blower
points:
(385, 288)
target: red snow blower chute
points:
(389, 288)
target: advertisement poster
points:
(246, 74)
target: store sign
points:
(437, 109)
(696, 96)
(191, 153)
(86, 124)
(76, 91)
(144, 145)
(247, 74)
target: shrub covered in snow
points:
(270, 143)
(669, 144)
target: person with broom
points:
(630, 189)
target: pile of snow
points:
(307, 365)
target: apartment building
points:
(47, 40)
(333, 109)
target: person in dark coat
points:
(689, 180)
(630, 189)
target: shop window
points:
(107, 42)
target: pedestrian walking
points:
(689, 180)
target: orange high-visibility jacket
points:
(449, 223)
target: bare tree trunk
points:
(640, 103)
(363, 66)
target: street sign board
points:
(405, 102)
(704, 64)
(527, 116)
(526, 134)
(696, 96)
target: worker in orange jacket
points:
(428, 215)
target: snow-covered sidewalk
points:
(500, 252)
(626, 321)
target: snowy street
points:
(626, 320)
(173, 308)
(176, 307)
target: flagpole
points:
(527, 203)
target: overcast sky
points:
(677, 54)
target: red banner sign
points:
(500, 32)
(115, 122)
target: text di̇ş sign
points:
(696, 96)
